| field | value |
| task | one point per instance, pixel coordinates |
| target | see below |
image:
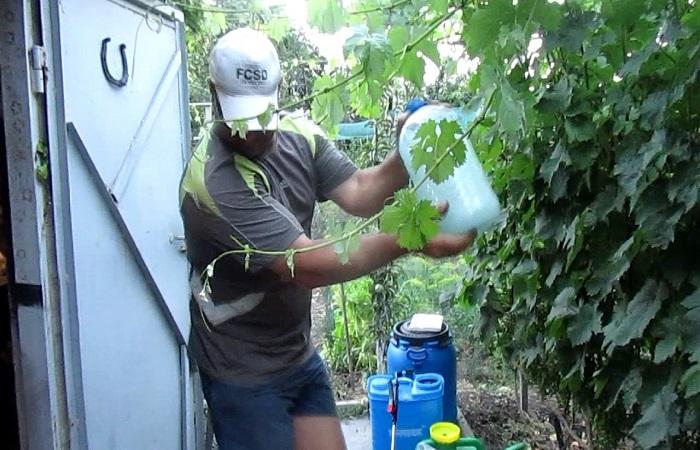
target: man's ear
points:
(218, 114)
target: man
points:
(265, 385)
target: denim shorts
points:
(261, 417)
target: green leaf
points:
(560, 182)
(659, 419)
(439, 6)
(690, 381)
(511, 111)
(621, 13)
(573, 242)
(544, 12)
(413, 69)
(521, 168)
(631, 163)
(266, 116)
(326, 15)
(482, 28)
(554, 272)
(629, 387)
(616, 265)
(239, 127)
(430, 50)
(438, 141)
(562, 305)
(692, 301)
(631, 322)
(579, 130)
(327, 108)
(415, 221)
(556, 100)
(667, 346)
(276, 27)
(585, 324)
(550, 165)
(657, 218)
(399, 37)
(605, 202)
(372, 50)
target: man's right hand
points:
(444, 245)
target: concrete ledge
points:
(351, 408)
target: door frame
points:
(50, 395)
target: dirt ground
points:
(494, 416)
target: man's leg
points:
(318, 433)
(245, 418)
(316, 424)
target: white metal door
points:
(127, 136)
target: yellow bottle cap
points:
(444, 432)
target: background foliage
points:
(591, 136)
(592, 141)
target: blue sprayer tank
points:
(426, 352)
(419, 406)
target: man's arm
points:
(365, 191)
(322, 267)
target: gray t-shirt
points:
(248, 325)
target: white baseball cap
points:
(245, 70)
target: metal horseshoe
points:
(105, 70)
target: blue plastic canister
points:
(426, 352)
(419, 406)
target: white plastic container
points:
(472, 202)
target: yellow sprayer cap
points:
(444, 432)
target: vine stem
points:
(380, 8)
(367, 222)
(290, 253)
(408, 47)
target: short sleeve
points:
(255, 218)
(331, 166)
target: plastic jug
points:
(419, 406)
(472, 202)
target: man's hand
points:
(443, 244)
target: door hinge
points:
(37, 61)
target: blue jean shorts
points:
(261, 417)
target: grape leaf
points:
(557, 99)
(550, 165)
(631, 322)
(667, 346)
(413, 68)
(326, 15)
(585, 323)
(327, 108)
(415, 221)
(266, 116)
(659, 419)
(511, 111)
(690, 381)
(562, 305)
(435, 141)
(482, 28)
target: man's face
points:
(256, 143)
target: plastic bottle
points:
(472, 202)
